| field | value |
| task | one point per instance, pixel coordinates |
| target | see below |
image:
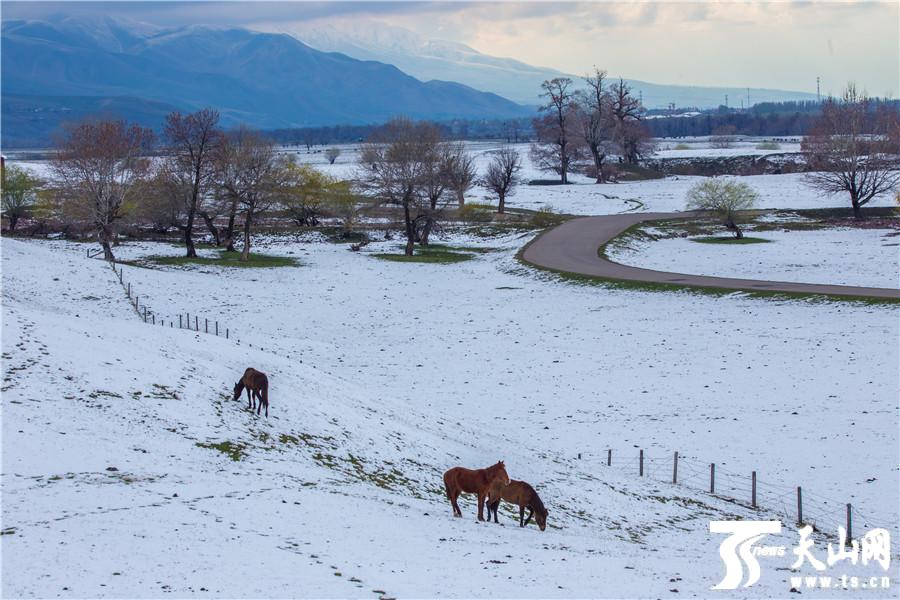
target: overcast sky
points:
(757, 44)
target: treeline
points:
(511, 130)
(770, 119)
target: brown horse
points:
(257, 386)
(472, 481)
(521, 494)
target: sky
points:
(784, 44)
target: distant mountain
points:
(262, 79)
(425, 59)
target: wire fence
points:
(792, 504)
(186, 320)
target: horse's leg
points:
(521, 516)
(530, 514)
(249, 399)
(481, 496)
(494, 508)
(454, 496)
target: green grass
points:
(233, 451)
(435, 254)
(228, 259)
(711, 239)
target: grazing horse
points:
(472, 481)
(521, 494)
(257, 386)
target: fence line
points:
(191, 322)
(794, 504)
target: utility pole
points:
(726, 100)
(748, 98)
(818, 92)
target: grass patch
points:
(435, 253)
(712, 239)
(227, 259)
(233, 451)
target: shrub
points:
(474, 212)
(545, 217)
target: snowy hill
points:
(131, 472)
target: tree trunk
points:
(13, 219)
(426, 231)
(598, 162)
(461, 198)
(501, 202)
(245, 253)
(212, 228)
(103, 236)
(857, 207)
(731, 225)
(229, 231)
(410, 230)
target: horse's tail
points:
(447, 485)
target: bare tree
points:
(394, 165)
(554, 149)
(630, 134)
(19, 189)
(435, 188)
(99, 164)
(502, 175)
(723, 136)
(341, 203)
(851, 152)
(192, 141)
(331, 154)
(461, 172)
(596, 120)
(255, 176)
(724, 198)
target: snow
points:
(388, 373)
(861, 257)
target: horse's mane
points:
(495, 467)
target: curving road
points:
(573, 247)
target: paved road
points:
(573, 247)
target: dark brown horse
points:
(521, 494)
(257, 386)
(472, 481)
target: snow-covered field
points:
(863, 257)
(383, 375)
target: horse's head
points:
(500, 472)
(238, 388)
(540, 516)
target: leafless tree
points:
(99, 164)
(192, 141)
(554, 149)
(851, 152)
(630, 134)
(461, 172)
(394, 165)
(255, 176)
(435, 190)
(596, 120)
(331, 154)
(502, 175)
(723, 136)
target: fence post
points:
(753, 492)
(675, 469)
(145, 314)
(641, 468)
(129, 289)
(799, 506)
(196, 323)
(217, 329)
(609, 457)
(136, 303)
(226, 333)
(154, 318)
(205, 325)
(179, 322)
(712, 478)
(849, 525)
